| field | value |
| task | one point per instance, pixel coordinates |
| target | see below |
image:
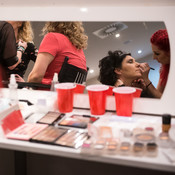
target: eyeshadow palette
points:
(51, 117)
(72, 138)
(26, 131)
(49, 135)
(77, 121)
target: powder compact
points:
(125, 148)
(51, 117)
(144, 137)
(49, 135)
(151, 149)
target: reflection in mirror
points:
(132, 37)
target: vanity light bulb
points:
(83, 9)
(91, 71)
(139, 51)
(117, 35)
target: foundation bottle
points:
(166, 122)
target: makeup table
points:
(50, 159)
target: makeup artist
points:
(161, 53)
(24, 33)
(10, 57)
(61, 39)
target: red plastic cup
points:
(65, 93)
(124, 100)
(138, 92)
(79, 88)
(109, 91)
(97, 98)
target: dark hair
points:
(161, 40)
(108, 65)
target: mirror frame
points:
(150, 13)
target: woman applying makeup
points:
(161, 53)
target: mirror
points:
(134, 36)
(108, 11)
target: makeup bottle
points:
(166, 122)
(54, 81)
(13, 96)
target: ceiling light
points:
(139, 51)
(91, 71)
(117, 35)
(83, 9)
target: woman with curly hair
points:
(23, 34)
(62, 39)
(119, 69)
(161, 52)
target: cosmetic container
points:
(99, 146)
(144, 137)
(54, 81)
(149, 130)
(166, 122)
(164, 140)
(13, 96)
(138, 149)
(151, 149)
(125, 148)
(111, 146)
(86, 147)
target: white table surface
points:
(160, 162)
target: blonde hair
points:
(73, 30)
(25, 32)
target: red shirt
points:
(60, 46)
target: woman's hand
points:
(144, 67)
(22, 44)
(139, 83)
(19, 78)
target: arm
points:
(19, 54)
(155, 92)
(42, 62)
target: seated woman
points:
(62, 40)
(120, 69)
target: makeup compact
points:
(111, 146)
(72, 138)
(151, 149)
(99, 146)
(14, 127)
(49, 135)
(86, 147)
(77, 121)
(51, 117)
(138, 149)
(125, 148)
(144, 137)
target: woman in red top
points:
(161, 53)
(62, 39)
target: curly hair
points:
(73, 30)
(161, 40)
(108, 65)
(25, 32)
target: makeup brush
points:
(152, 68)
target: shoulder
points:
(6, 26)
